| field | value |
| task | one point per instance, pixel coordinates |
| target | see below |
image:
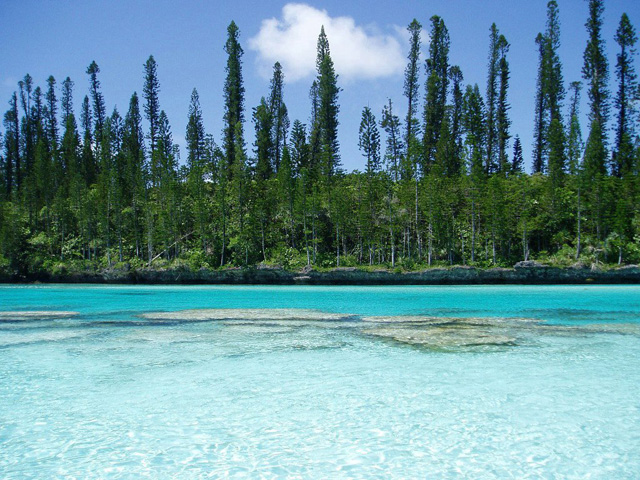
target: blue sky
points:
(367, 39)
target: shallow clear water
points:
(106, 394)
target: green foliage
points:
(288, 258)
(111, 194)
(233, 93)
(196, 259)
(437, 87)
(5, 266)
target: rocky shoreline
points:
(530, 273)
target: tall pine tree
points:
(328, 107)
(233, 95)
(411, 89)
(150, 93)
(394, 147)
(437, 86)
(626, 98)
(279, 115)
(99, 108)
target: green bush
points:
(5, 266)
(288, 258)
(197, 259)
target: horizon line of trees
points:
(447, 186)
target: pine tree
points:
(541, 122)
(626, 97)
(555, 93)
(437, 85)
(411, 86)
(287, 184)
(394, 147)
(549, 95)
(299, 147)
(263, 122)
(412, 159)
(594, 171)
(456, 77)
(556, 141)
(135, 174)
(279, 115)
(502, 111)
(51, 114)
(67, 99)
(99, 108)
(574, 142)
(369, 144)
(167, 192)
(50, 111)
(329, 151)
(118, 178)
(445, 162)
(196, 156)
(88, 160)
(369, 141)
(233, 95)
(104, 190)
(70, 153)
(240, 201)
(264, 147)
(493, 80)
(150, 93)
(554, 88)
(165, 144)
(38, 114)
(195, 136)
(328, 107)
(596, 71)
(474, 125)
(314, 134)
(26, 129)
(12, 147)
(517, 162)
(300, 164)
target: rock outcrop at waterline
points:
(521, 273)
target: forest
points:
(445, 183)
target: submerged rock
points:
(617, 328)
(452, 321)
(17, 316)
(591, 329)
(443, 337)
(447, 333)
(258, 314)
(439, 333)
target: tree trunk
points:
(473, 229)
(579, 246)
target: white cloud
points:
(357, 52)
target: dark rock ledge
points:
(522, 273)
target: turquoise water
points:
(106, 394)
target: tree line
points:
(446, 185)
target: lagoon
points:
(104, 391)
